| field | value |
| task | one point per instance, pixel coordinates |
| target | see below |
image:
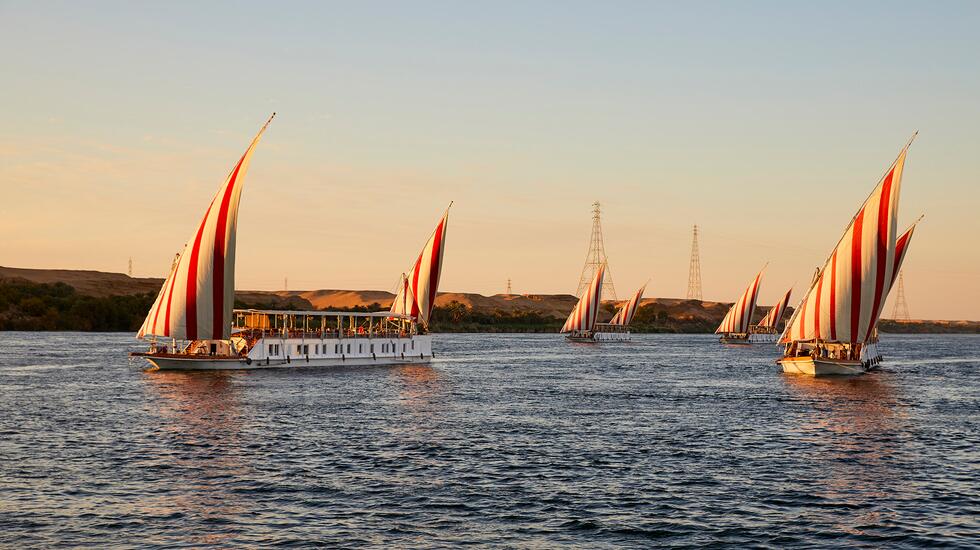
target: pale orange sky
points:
(767, 128)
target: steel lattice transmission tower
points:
(508, 288)
(694, 273)
(901, 310)
(595, 258)
(130, 271)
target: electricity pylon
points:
(901, 310)
(694, 272)
(595, 258)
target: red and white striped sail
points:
(197, 298)
(846, 300)
(417, 292)
(625, 314)
(776, 313)
(739, 317)
(583, 317)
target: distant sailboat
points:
(620, 323)
(734, 328)
(834, 329)
(766, 330)
(581, 321)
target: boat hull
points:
(194, 364)
(821, 366)
(735, 340)
(601, 337)
(279, 353)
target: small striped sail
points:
(625, 314)
(583, 317)
(847, 298)
(198, 295)
(417, 291)
(739, 317)
(776, 313)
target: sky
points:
(765, 123)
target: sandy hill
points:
(91, 283)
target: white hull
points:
(167, 363)
(612, 336)
(820, 367)
(272, 353)
(600, 337)
(824, 366)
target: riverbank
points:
(39, 299)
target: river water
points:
(514, 440)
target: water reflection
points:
(419, 387)
(201, 419)
(851, 427)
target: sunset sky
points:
(766, 123)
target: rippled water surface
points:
(516, 440)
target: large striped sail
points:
(417, 291)
(847, 298)
(739, 317)
(625, 314)
(198, 295)
(776, 313)
(583, 317)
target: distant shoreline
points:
(94, 301)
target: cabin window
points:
(360, 348)
(299, 349)
(306, 349)
(372, 348)
(348, 348)
(318, 349)
(336, 348)
(413, 344)
(270, 349)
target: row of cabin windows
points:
(304, 349)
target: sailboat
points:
(581, 323)
(192, 324)
(618, 328)
(734, 328)
(766, 331)
(834, 329)
(417, 292)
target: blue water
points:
(517, 440)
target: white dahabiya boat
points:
(834, 329)
(581, 325)
(193, 326)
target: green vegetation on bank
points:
(37, 306)
(650, 318)
(25, 305)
